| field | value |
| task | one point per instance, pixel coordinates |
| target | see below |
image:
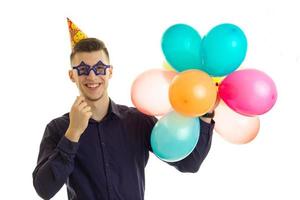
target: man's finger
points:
(82, 105)
(86, 109)
(79, 100)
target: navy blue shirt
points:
(108, 162)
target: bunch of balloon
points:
(197, 71)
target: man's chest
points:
(110, 144)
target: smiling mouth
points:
(92, 85)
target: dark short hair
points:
(89, 45)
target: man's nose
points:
(92, 75)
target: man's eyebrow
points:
(100, 62)
(82, 63)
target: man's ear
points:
(110, 71)
(71, 76)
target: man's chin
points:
(93, 98)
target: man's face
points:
(91, 86)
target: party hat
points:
(75, 33)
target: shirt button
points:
(106, 164)
(103, 144)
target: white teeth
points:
(93, 85)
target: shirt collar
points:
(113, 108)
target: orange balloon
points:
(234, 127)
(192, 93)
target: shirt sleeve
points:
(194, 160)
(55, 162)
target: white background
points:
(34, 50)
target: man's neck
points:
(99, 108)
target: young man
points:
(100, 148)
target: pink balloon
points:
(150, 91)
(233, 127)
(249, 92)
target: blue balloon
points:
(175, 136)
(181, 45)
(224, 49)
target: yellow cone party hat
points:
(75, 33)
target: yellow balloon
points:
(168, 66)
(217, 80)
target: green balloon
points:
(181, 45)
(175, 136)
(224, 49)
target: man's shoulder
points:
(60, 122)
(132, 112)
(124, 109)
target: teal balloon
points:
(174, 136)
(224, 49)
(181, 45)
